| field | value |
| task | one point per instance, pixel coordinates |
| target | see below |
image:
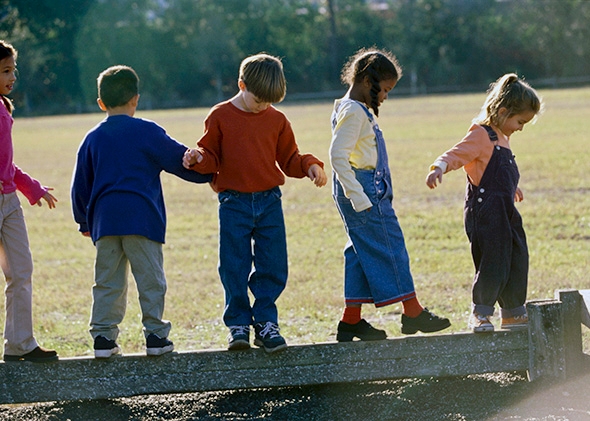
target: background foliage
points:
(187, 52)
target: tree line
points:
(187, 52)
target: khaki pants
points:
(17, 265)
(114, 255)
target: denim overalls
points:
(376, 262)
(498, 241)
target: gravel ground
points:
(501, 396)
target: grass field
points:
(553, 159)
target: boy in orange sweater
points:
(250, 146)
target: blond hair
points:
(264, 78)
(513, 94)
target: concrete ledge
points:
(419, 356)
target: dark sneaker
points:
(238, 338)
(104, 348)
(154, 345)
(37, 355)
(267, 336)
(362, 330)
(425, 322)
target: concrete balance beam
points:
(419, 356)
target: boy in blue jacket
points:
(117, 201)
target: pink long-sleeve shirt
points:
(473, 153)
(11, 176)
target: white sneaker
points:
(479, 323)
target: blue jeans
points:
(376, 262)
(252, 255)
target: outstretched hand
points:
(317, 174)
(49, 198)
(433, 177)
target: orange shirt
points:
(250, 152)
(473, 153)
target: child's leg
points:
(109, 292)
(269, 277)
(17, 265)
(235, 256)
(513, 297)
(491, 249)
(147, 265)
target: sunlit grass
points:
(552, 155)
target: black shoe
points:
(37, 355)
(362, 330)
(104, 347)
(425, 322)
(154, 345)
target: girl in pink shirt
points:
(15, 256)
(492, 222)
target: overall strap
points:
(491, 133)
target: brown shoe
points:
(37, 355)
(515, 323)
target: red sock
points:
(412, 307)
(351, 315)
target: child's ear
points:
(241, 85)
(101, 104)
(503, 112)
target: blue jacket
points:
(116, 188)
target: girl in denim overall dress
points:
(376, 262)
(492, 222)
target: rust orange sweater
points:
(250, 152)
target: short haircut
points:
(264, 78)
(117, 85)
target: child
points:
(492, 222)
(245, 138)
(15, 256)
(376, 262)
(117, 200)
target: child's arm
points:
(317, 174)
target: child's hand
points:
(86, 234)
(191, 157)
(49, 198)
(518, 196)
(434, 176)
(317, 175)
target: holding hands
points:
(191, 157)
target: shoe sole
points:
(349, 337)
(412, 330)
(515, 327)
(18, 358)
(277, 348)
(155, 352)
(106, 353)
(239, 345)
(482, 329)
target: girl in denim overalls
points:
(376, 263)
(492, 222)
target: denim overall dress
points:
(376, 261)
(498, 241)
